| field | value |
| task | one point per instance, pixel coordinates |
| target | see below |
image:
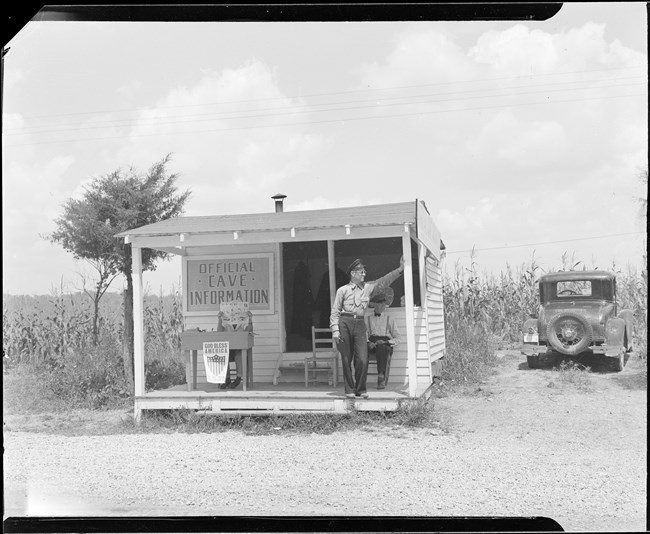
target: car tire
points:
(569, 347)
(533, 362)
(628, 317)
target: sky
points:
(527, 140)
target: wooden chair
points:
(324, 357)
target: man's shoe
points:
(235, 383)
(362, 395)
(349, 395)
(226, 384)
(381, 386)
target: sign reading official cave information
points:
(209, 281)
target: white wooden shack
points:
(287, 266)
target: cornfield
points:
(52, 340)
(485, 312)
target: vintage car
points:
(578, 312)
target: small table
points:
(192, 342)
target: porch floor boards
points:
(266, 398)
(292, 389)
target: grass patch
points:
(415, 413)
(79, 385)
(469, 359)
(572, 374)
(411, 414)
(25, 392)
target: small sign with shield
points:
(215, 358)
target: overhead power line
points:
(310, 108)
(543, 243)
(355, 91)
(325, 121)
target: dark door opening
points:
(306, 302)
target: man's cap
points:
(385, 296)
(356, 264)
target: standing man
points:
(348, 325)
(383, 334)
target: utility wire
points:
(309, 109)
(326, 121)
(353, 91)
(544, 243)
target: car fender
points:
(615, 334)
(628, 317)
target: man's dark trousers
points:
(382, 353)
(354, 350)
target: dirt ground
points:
(569, 445)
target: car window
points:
(574, 288)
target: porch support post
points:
(280, 278)
(331, 265)
(138, 327)
(412, 371)
(422, 262)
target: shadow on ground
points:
(633, 377)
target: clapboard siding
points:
(267, 327)
(435, 310)
(421, 346)
(257, 233)
(428, 325)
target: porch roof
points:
(178, 235)
(372, 215)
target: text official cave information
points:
(209, 281)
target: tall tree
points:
(106, 273)
(113, 203)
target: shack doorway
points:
(306, 302)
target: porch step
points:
(303, 405)
(248, 405)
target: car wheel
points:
(533, 362)
(569, 333)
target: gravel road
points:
(527, 443)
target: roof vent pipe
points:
(279, 202)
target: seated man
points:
(383, 334)
(229, 324)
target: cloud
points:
(12, 121)
(271, 160)
(230, 135)
(520, 143)
(509, 131)
(28, 188)
(12, 77)
(517, 50)
(320, 202)
(510, 226)
(470, 219)
(31, 200)
(418, 56)
(519, 107)
(520, 50)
